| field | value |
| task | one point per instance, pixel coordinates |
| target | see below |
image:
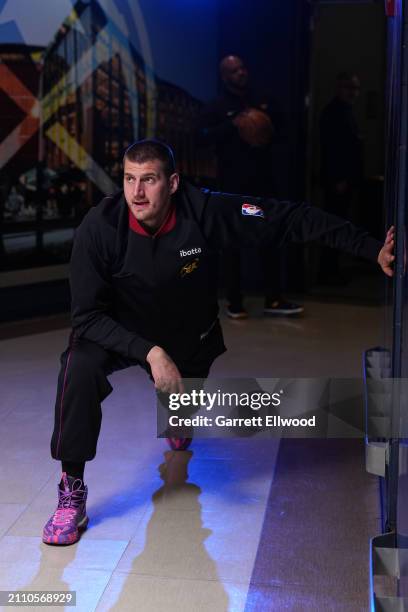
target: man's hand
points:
(386, 255)
(166, 375)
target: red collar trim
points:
(166, 226)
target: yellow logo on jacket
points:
(189, 267)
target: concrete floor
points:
(192, 531)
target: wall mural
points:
(68, 110)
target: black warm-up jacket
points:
(131, 292)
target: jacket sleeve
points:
(229, 220)
(91, 295)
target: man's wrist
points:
(139, 349)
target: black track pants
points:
(82, 387)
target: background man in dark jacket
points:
(245, 127)
(144, 292)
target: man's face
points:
(349, 89)
(234, 72)
(148, 191)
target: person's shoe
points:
(179, 444)
(282, 308)
(236, 311)
(70, 517)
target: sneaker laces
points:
(69, 502)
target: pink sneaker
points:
(70, 516)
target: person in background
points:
(341, 149)
(244, 126)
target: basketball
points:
(255, 127)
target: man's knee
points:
(86, 363)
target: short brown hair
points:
(149, 149)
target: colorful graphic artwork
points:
(69, 109)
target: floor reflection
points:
(174, 548)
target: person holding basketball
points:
(245, 127)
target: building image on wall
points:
(177, 114)
(20, 67)
(99, 96)
(92, 94)
(94, 99)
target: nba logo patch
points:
(252, 210)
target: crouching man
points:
(144, 292)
